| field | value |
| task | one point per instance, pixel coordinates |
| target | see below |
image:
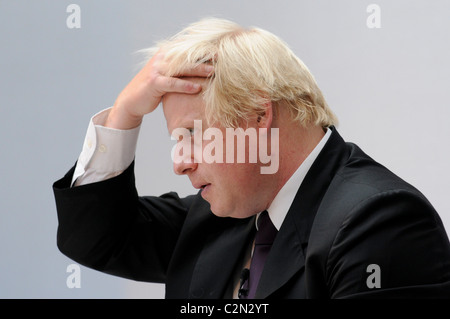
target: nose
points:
(185, 167)
(183, 154)
(183, 159)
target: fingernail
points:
(209, 68)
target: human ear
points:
(265, 118)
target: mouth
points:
(201, 186)
(205, 191)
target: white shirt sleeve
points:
(106, 152)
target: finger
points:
(171, 84)
(201, 70)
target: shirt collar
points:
(279, 207)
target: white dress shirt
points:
(283, 200)
(106, 152)
(279, 207)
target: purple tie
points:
(263, 242)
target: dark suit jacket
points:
(350, 212)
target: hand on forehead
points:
(180, 109)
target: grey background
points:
(388, 86)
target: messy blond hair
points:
(251, 67)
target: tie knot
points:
(266, 230)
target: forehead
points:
(180, 110)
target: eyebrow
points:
(183, 124)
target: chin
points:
(223, 212)
(220, 212)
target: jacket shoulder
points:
(369, 215)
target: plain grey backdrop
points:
(389, 87)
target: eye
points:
(181, 133)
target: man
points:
(340, 224)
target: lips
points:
(200, 185)
(205, 191)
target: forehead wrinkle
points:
(190, 110)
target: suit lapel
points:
(221, 254)
(284, 261)
(287, 255)
(207, 253)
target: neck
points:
(296, 143)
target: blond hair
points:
(251, 68)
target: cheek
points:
(237, 179)
(236, 191)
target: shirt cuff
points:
(106, 152)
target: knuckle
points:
(151, 80)
(171, 83)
